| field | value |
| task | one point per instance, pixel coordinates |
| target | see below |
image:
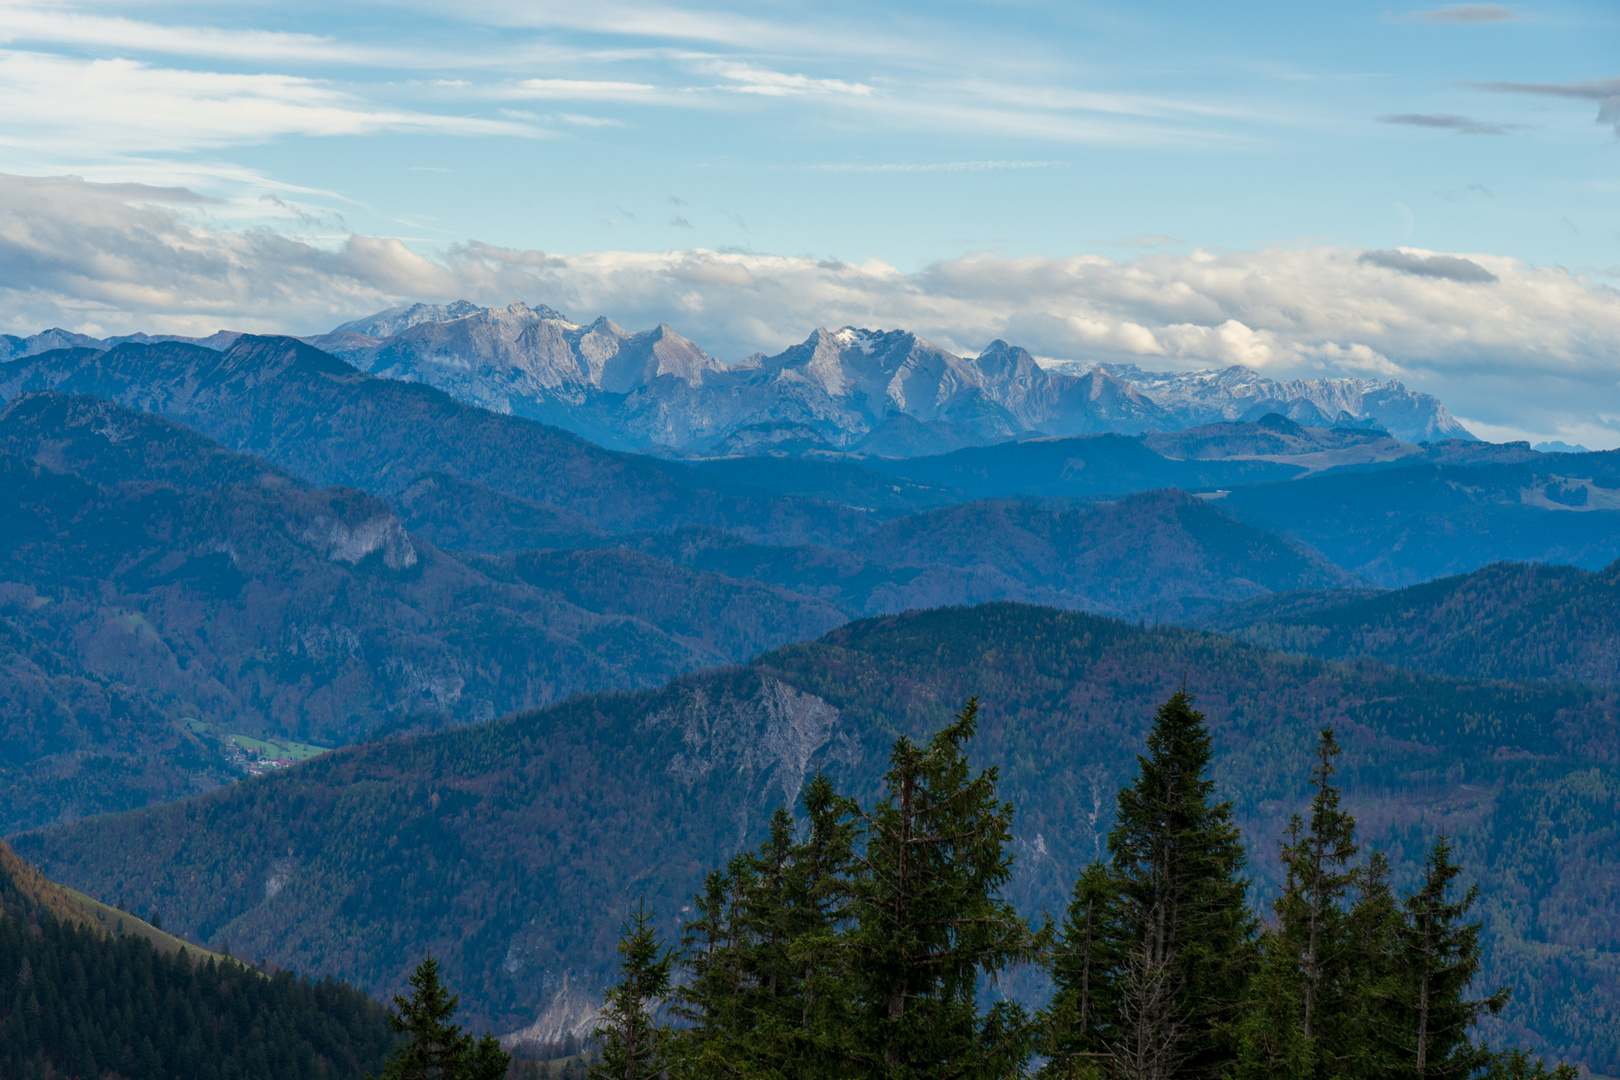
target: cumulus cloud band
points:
(1502, 342)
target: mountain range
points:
(161, 592)
(249, 541)
(512, 850)
(874, 392)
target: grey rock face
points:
(882, 392)
(1191, 398)
(889, 393)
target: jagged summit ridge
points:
(1238, 393)
(878, 391)
(872, 391)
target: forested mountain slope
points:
(159, 591)
(1392, 519)
(310, 412)
(1400, 526)
(514, 849)
(80, 998)
(1156, 555)
(1507, 621)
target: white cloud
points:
(54, 24)
(751, 79)
(1533, 350)
(61, 104)
(946, 166)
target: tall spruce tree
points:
(809, 1034)
(930, 920)
(711, 1000)
(1438, 956)
(633, 1045)
(1302, 996)
(435, 1047)
(1373, 1010)
(1086, 965)
(1187, 936)
(765, 990)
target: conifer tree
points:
(930, 919)
(486, 1060)
(1271, 1040)
(1438, 955)
(818, 896)
(765, 987)
(1373, 1012)
(1086, 966)
(436, 1048)
(1187, 936)
(1516, 1064)
(712, 955)
(806, 1033)
(633, 1045)
(1301, 997)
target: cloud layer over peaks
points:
(1516, 347)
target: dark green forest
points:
(510, 850)
(1505, 621)
(861, 943)
(78, 1003)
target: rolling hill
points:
(160, 591)
(1506, 621)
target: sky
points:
(1427, 193)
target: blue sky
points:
(942, 147)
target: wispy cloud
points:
(124, 106)
(1462, 125)
(944, 166)
(587, 90)
(1467, 13)
(581, 120)
(1606, 92)
(54, 24)
(749, 79)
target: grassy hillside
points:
(1506, 621)
(514, 849)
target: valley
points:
(340, 668)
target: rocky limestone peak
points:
(640, 358)
(1002, 363)
(680, 356)
(53, 339)
(397, 320)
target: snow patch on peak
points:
(853, 337)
